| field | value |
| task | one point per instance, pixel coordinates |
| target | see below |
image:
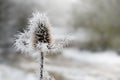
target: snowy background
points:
(93, 30)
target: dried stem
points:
(41, 65)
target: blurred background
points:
(93, 30)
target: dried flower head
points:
(36, 35)
(39, 28)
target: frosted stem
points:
(41, 65)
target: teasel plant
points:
(37, 40)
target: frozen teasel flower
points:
(37, 35)
(36, 39)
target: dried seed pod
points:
(36, 36)
(41, 35)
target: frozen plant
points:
(36, 39)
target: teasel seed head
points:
(41, 35)
(37, 35)
(40, 30)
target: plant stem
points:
(41, 65)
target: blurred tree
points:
(3, 14)
(100, 16)
(13, 17)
